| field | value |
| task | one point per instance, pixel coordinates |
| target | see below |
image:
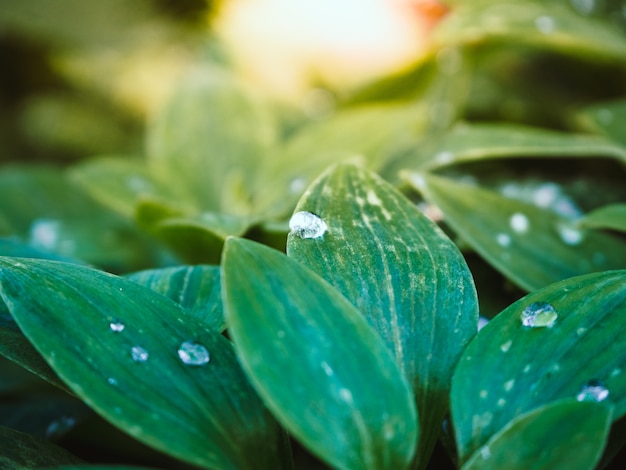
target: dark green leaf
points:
(509, 368)
(196, 288)
(316, 362)
(609, 217)
(402, 273)
(121, 348)
(566, 434)
(19, 451)
(516, 237)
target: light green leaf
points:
(368, 135)
(566, 434)
(118, 183)
(515, 237)
(316, 362)
(531, 22)
(471, 142)
(607, 118)
(611, 217)
(576, 349)
(213, 131)
(196, 288)
(19, 451)
(403, 274)
(139, 360)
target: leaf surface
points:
(611, 217)
(510, 368)
(404, 275)
(515, 236)
(565, 434)
(316, 362)
(122, 347)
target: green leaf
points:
(98, 467)
(471, 142)
(120, 347)
(16, 347)
(196, 288)
(368, 134)
(403, 274)
(607, 118)
(316, 362)
(212, 134)
(118, 183)
(611, 217)
(19, 451)
(566, 434)
(515, 237)
(509, 368)
(549, 26)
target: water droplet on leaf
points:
(307, 225)
(503, 239)
(545, 24)
(539, 314)
(193, 354)
(117, 326)
(139, 354)
(519, 222)
(594, 390)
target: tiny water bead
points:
(545, 24)
(594, 390)
(307, 225)
(116, 326)
(539, 314)
(193, 354)
(139, 354)
(519, 223)
(503, 239)
(570, 235)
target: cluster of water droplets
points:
(307, 225)
(539, 314)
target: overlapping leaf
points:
(403, 274)
(565, 434)
(316, 362)
(512, 367)
(611, 217)
(532, 246)
(139, 360)
(196, 288)
(607, 118)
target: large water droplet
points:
(570, 235)
(545, 24)
(503, 239)
(45, 233)
(519, 222)
(539, 314)
(139, 354)
(117, 326)
(193, 354)
(307, 225)
(594, 390)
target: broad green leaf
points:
(368, 134)
(609, 217)
(316, 362)
(566, 434)
(607, 118)
(532, 22)
(19, 451)
(196, 288)
(118, 183)
(509, 368)
(470, 142)
(403, 274)
(531, 246)
(212, 132)
(139, 360)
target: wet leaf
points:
(611, 217)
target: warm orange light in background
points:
(290, 45)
